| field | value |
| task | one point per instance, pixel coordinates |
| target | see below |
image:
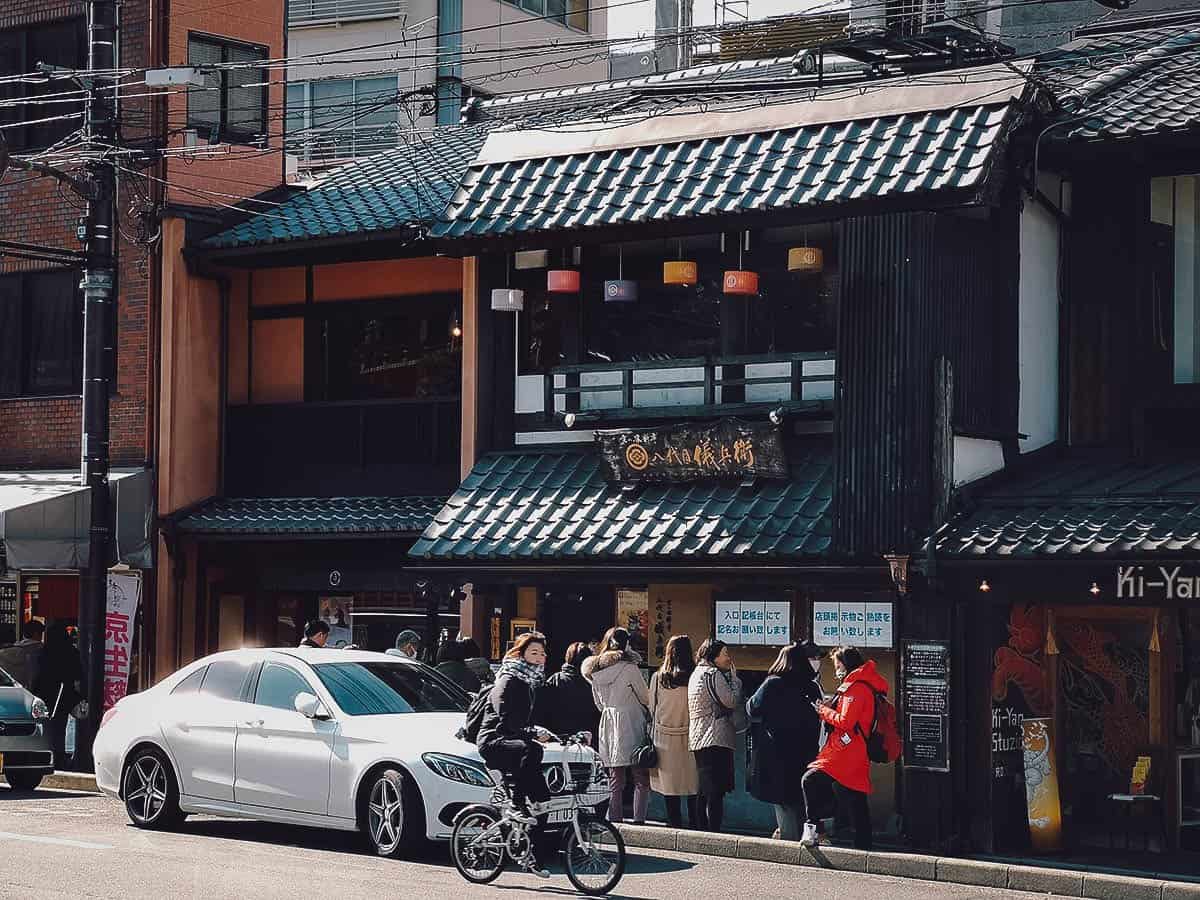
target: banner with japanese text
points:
(124, 592)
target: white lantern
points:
(508, 300)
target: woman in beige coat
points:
(620, 694)
(675, 778)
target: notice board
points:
(925, 670)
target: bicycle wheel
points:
(478, 849)
(596, 864)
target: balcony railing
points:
(317, 12)
(643, 390)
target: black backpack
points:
(476, 710)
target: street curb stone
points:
(69, 781)
(948, 870)
(706, 844)
(768, 850)
(650, 838)
(902, 865)
(839, 858)
(1046, 881)
(969, 871)
(1120, 887)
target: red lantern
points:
(562, 281)
(740, 282)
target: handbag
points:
(645, 756)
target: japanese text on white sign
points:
(856, 624)
(764, 623)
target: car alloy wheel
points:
(385, 813)
(146, 789)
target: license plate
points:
(559, 816)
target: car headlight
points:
(39, 709)
(457, 768)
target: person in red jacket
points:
(842, 763)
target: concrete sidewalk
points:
(68, 781)
(979, 873)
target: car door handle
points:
(254, 723)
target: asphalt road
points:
(62, 844)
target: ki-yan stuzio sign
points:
(1158, 582)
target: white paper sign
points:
(124, 591)
(754, 622)
(852, 623)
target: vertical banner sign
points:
(1041, 785)
(124, 591)
(926, 671)
(633, 614)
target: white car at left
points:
(343, 739)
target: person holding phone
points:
(714, 700)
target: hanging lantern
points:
(683, 272)
(806, 259)
(562, 281)
(508, 299)
(741, 282)
(620, 291)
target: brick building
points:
(43, 507)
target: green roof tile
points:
(402, 516)
(557, 504)
(794, 167)
(1076, 506)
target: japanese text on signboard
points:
(120, 615)
(855, 624)
(729, 449)
(765, 623)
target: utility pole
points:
(99, 280)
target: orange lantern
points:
(681, 272)
(562, 281)
(806, 259)
(741, 282)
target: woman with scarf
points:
(508, 741)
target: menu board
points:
(8, 603)
(926, 673)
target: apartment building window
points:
(569, 13)
(62, 44)
(342, 118)
(41, 334)
(1175, 220)
(233, 102)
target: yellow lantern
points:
(680, 272)
(806, 259)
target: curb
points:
(950, 870)
(83, 782)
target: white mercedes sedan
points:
(342, 739)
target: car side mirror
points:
(310, 706)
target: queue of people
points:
(808, 751)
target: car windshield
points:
(6, 680)
(381, 688)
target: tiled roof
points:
(1079, 507)
(1127, 84)
(520, 507)
(313, 515)
(907, 154)
(406, 186)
